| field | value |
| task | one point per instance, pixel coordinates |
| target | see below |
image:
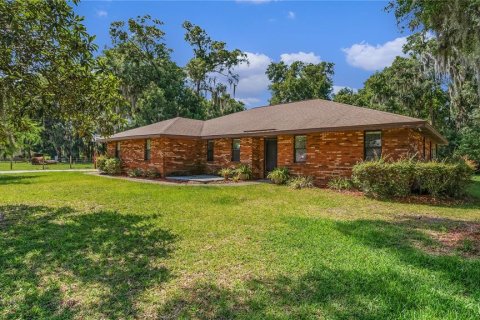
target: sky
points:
(359, 37)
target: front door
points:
(270, 154)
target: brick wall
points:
(329, 154)
(132, 154)
(251, 153)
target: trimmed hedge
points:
(405, 177)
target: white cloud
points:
(309, 57)
(291, 15)
(336, 89)
(253, 82)
(102, 13)
(371, 58)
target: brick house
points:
(320, 138)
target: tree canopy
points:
(299, 81)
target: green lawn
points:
(5, 166)
(79, 246)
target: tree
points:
(448, 38)
(210, 60)
(406, 87)
(212, 65)
(47, 70)
(348, 96)
(16, 138)
(152, 83)
(300, 81)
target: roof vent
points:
(260, 130)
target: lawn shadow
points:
(65, 259)
(16, 179)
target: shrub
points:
(111, 166)
(135, 172)
(443, 179)
(279, 175)
(101, 162)
(384, 179)
(340, 183)
(152, 173)
(301, 182)
(404, 177)
(243, 172)
(226, 173)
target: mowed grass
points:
(78, 246)
(5, 166)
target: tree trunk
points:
(11, 162)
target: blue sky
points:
(358, 36)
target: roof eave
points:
(440, 139)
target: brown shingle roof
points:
(295, 117)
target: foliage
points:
(455, 27)
(152, 83)
(404, 177)
(384, 179)
(226, 173)
(210, 59)
(136, 172)
(442, 178)
(100, 161)
(279, 175)
(340, 183)
(23, 135)
(301, 182)
(405, 88)
(210, 67)
(299, 81)
(152, 173)
(110, 166)
(348, 96)
(47, 69)
(243, 172)
(468, 144)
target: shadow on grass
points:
(15, 179)
(404, 281)
(59, 263)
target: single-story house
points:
(319, 138)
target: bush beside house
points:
(402, 178)
(111, 166)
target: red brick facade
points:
(329, 154)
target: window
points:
(434, 155)
(210, 145)
(117, 150)
(148, 147)
(300, 148)
(235, 149)
(373, 145)
(430, 150)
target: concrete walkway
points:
(170, 183)
(48, 170)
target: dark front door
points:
(270, 154)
